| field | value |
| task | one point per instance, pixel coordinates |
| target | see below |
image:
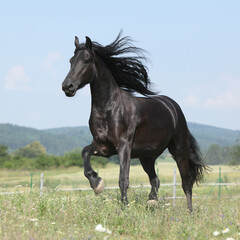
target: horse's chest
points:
(101, 134)
(108, 126)
(100, 130)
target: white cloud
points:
(226, 101)
(192, 100)
(16, 79)
(229, 99)
(50, 61)
(224, 96)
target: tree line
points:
(216, 154)
(34, 156)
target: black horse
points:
(132, 127)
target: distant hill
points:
(60, 140)
(207, 135)
(56, 141)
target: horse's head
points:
(82, 69)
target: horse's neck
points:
(104, 90)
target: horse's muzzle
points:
(69, 90)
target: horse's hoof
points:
(152, 202)
(99, 187)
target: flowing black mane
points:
(129, 72)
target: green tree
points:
(47, 161)
(32, 150)
(4, 156)
(3, 151)
(213, 155)
(235, 153)
(72, 158)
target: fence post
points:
(219, 182)
(174, 186)
(41, 184)
(31, 183)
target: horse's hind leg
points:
(186, 181)
(95, 182)
(148, 166)
(181, 156)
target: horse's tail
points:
(197, 165)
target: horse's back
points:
(163, 110)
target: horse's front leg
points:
(96, 182)
(124, 154)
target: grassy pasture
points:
(75, 215)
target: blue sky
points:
(194, 48)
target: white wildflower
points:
(216, 233)
(33, 219)
(100, 228)
(226, 230)
(230, 238)
(53, 223)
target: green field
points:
(75, 214)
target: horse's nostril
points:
(70, 86)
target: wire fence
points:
(219, 183)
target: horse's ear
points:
(76, 42)
(88, 43)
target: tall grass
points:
(75, 215)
